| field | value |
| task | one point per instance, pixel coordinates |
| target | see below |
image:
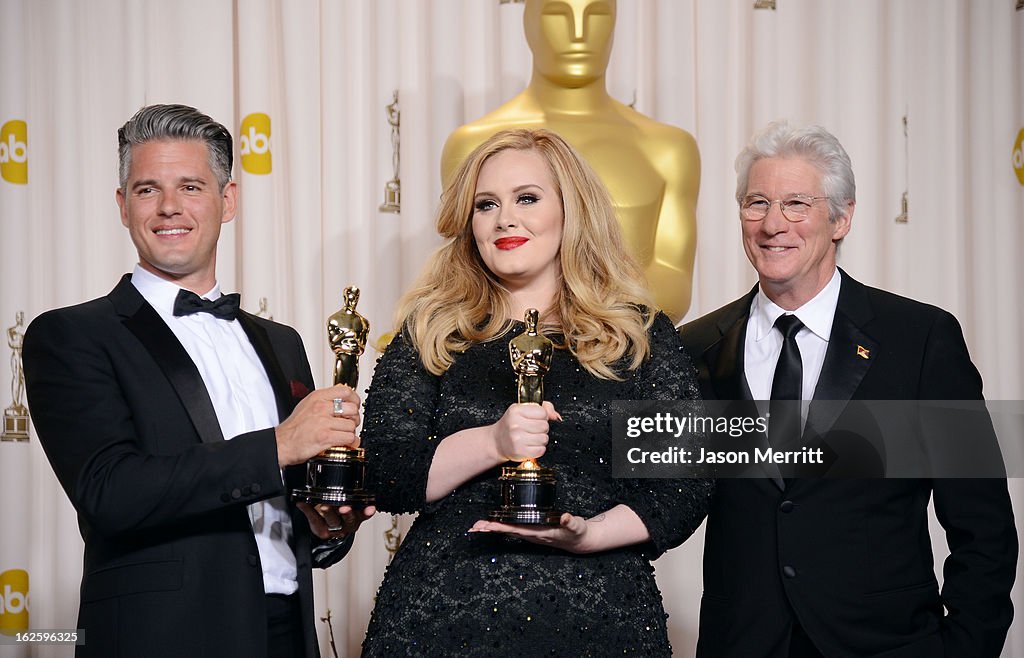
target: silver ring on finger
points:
(339, 406)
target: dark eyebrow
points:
(515, 190)
(184, 180)
(148, 182)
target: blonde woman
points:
(527, 224)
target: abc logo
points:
(13, 600)
(1018, 156)
(14, 152)
(254, 143)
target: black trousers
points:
(800, 646)
(284, 627)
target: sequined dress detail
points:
(453, 593)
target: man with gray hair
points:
(810, 567)
(174, 420)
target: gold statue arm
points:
(670, 272)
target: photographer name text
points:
(703, 456)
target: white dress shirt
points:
(244, 401)
(762, 344)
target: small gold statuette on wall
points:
(337, 475)
(528, 490)
(393, 538)
(904, 215)
(393, 188)
(16, 415)
(264, 311)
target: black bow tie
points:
(224, 308)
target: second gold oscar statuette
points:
(337, 475)
(528, 490)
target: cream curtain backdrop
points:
(322, 73)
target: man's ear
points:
(230, 198)
(122, 204)
(843, 223)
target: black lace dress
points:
(449, 592)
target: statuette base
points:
(527, 496)
(15, 426)
(336, 477)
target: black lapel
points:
(849, 355)
(724, 360)
(265, 351)
(295, 476)
(724, 357)
(143, 321)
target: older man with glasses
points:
(812, 566)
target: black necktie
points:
(784, 424)
(223, 308)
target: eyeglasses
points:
(795, 208)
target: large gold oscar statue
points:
(651, 169)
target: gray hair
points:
(811, 143)
(175, 122)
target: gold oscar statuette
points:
(337, 475)
(16, 415)
(528, 490)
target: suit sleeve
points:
(671, 509)
(975, 513)
(85, 404)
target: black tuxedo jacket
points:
(852, 559)
(171, 564)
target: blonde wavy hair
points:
(603, 308)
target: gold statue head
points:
(530, 319)
(571, 40)
(592, 248)
(351, 295)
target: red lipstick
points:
(510, 243)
